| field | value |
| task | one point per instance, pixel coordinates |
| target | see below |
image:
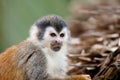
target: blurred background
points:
(94, 26)
(16, 17)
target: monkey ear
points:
(34, 32)
(69, 34)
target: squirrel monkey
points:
(41, 56)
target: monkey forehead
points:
(51, 20)
(52, 30)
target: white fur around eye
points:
(62, 34)
(53, 34)
(66, 34)
(47, 33)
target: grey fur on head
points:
(51, 21)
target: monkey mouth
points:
(56, 47)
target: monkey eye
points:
(52, 34)
(62, 35)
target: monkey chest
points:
(56, 66)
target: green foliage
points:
(16, 17)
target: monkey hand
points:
(74, 77)
(80, 77)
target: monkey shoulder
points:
(28, 50)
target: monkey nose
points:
(56, 42)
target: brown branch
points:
(107, 67)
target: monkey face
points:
(55, 40)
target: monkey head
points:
(50, 32)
